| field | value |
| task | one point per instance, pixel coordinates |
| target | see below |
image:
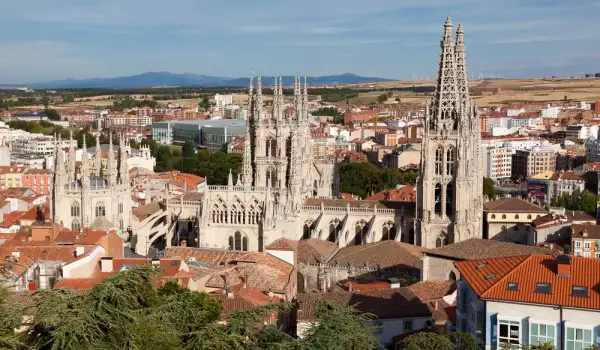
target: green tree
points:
(188, 149)
(434, 341)
(52, 114)
(488, 188)
(45, 102)
(382, 98)
(364, 178)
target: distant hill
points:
(159, 79)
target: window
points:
(516, 216)
(100, 210)
(75, 209)
(237, 242)
(75, 226)
(504, 216)
(586, 245)
(542, 333)
(529, 216)
(439, 160)
(580, 291)
(513, 285)
(543, 288)
(509, 333)
(407, 326)
(578, 338)
(493, 216)
(577, 244)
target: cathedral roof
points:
(101, 223)
(145, 211)
(365, 204)
(315, 251)
(384, 254)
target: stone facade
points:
(86, 197)
(449, 199)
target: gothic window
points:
(309, 226)
(238, 212)
(388, 231)
(438, 199)
(529, 216)
(75, 209)
(271, 147)
(271, 176)
(450, 159)
(439, 160)
(75, 226)
(360, 230)
(219, 212)
(100, 210)
(449, 200)
(254, 213)
(238, 242)
(516, 216)
(120, 208)
(335, 227)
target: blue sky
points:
(57, 39)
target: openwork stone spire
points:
(444, 110)
(247, 173)
(461, 69)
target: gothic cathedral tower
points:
(450, 183)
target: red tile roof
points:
(408, 193)
(432, 290)
(527, 272)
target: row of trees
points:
(338, 117)
(129, 102)
(364, 178)
(585, 201)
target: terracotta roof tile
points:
(513, 205)
(526, 272)
(384, 254)
(315, 251)
(407, 193)
(477, 248)
(432, 290)
(283, 244)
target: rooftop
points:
(512, 205)
(536, 279)
(477, 248)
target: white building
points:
(498, 122)
(525, 121)
(498, 163)
(581, 132)
(523, 301)
(514, 111)
(39, 144)
(550, 112)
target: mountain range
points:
(166, 79)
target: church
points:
(283, 192)
(91, 195)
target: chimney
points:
(106, 264)
(155, 261)
(79, 251)
(563, 265)
(350, 286)
(16, 254)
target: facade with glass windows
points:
(212, 134)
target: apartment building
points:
(585, 240)
(528, 300)
(38, 144)
(498, 163)
(11, 176)
(582, 132)
(568, 182)
(38, 180)
(530, 162)
(131, 120)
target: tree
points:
(585, 201)
(204, 103)
(188, 149)
(434, 341)
(52, 114)
(363, 178)
(382, 98)
(488, 188)
(45, 102)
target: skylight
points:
(479, 267)
(543, 288)
(489, 277)
(580, 291)
(513, 286)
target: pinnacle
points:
(459, 30)
(448, 21)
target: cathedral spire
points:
(462, 80)
(98, 157)
(305, 100)
(444, 109)
(112, 169)
(230, 180)
(259, 98)
(123, 169)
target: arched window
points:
(516, 216)
(254, 213)
(335, 227)
(271, 147)
(438, 199)
(450, 159)
(100, 210)
(529, 217)
(361, 229)
(504, 216)
(75, 226)
(238, 242)
(388, 231)
(309, 226)
(439, 160)
(238, 212)
(271, 177)
(450, 200)
(219, 212)
(75, 209)
(493, 216)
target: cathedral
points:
(91, 195)
(450, 186)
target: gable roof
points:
(528, 271)
(315, 251)
(283, 244)
(585, 231)
(382, 254)
(477, 248)
(512, 205)
(431, 290)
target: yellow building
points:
(510, 220)
(11, 176)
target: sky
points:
(74, 39)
